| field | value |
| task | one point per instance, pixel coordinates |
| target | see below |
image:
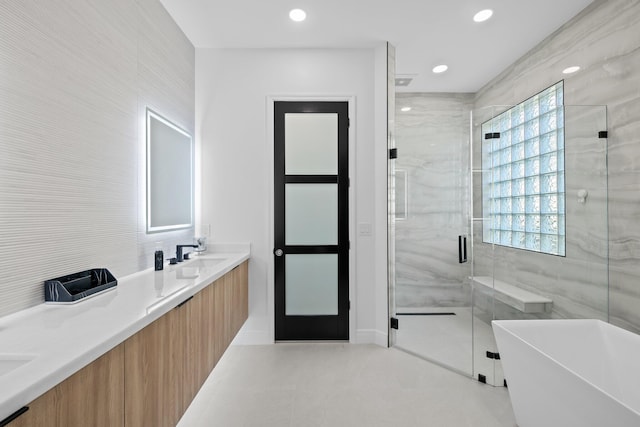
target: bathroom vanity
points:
(133, 356)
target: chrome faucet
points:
(179, 256)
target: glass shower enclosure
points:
(430, 193)
(494, 217)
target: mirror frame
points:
(150, 114)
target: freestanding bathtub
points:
(566, 373)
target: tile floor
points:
(333, 384)
(467, 339)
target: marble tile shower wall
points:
(432, 141)
(76, 78)
(604, 40)
(577, 282)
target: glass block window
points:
(523, 175)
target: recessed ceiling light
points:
(571, 70)
(298, 15)
(405, 109)
(483, 15)
(440, 69)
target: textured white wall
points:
(75, 78)
(233, 90)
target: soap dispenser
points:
(159, 258)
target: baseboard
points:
(363, 336)
(371, 336)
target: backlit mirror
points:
(170, 175)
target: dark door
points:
(311, 199)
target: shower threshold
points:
(427, 314)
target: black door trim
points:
(313, 179)
(324, 327)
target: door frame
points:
(351, 100)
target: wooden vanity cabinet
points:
(93, 396)
(154, 372)
(240, 298)
(152, 377)
(215, 315)
(201, 340)
(168, 361)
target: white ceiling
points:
(425, 32)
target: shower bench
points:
(523, 300)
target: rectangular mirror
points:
(170, 175)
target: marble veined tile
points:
(603, 236)
(432, 145)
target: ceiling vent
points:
(403, 81)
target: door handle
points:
(462, 249)
(278, 252)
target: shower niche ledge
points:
(523, 300)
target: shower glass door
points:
(430, 196)
(540, 227)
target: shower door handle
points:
(462, 249)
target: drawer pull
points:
(13, 416)
(182, 303)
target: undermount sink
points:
(9, 362)
(203, 263)
(192, 269)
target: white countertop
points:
(62, 339)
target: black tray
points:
(77, 286)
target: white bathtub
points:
(565, 373)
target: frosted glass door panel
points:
(311, 214)
(311, 146)
(311, 287)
